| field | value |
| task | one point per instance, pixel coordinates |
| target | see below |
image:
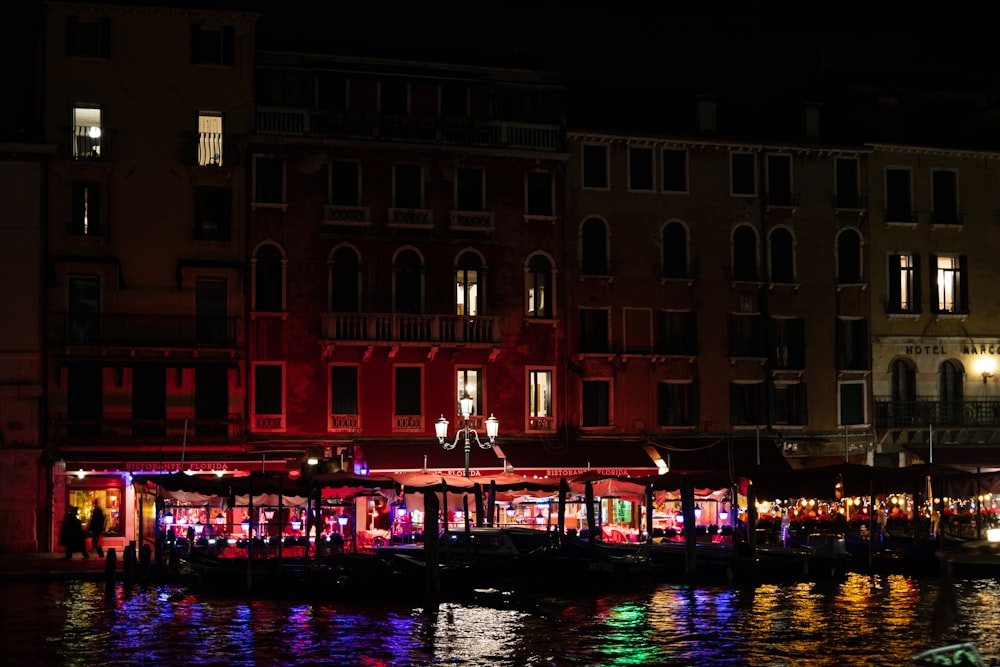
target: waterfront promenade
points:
(55, 567)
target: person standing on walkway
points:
(72, 537)
(96, 528)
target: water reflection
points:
(863, 620)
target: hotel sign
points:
(966, 349)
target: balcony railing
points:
(397, 327)
(921, 414)
(422, 129)
(130, 330)
(121, 430)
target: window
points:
(746, 401)
(903, 381)
(89, 37)
(331, 92)
(408, 401)
(636, 331)
(950, 393)
(539, 194)
(538, 287)
(746, 339)
(345, 281)
(83, 308)
(211, 45)
(408, 276)
(86, 216)
(847, 183)
(149, 401)
(595, 166)
(344, 414)
(851, 399)
(84, 399)
(470, 384)
(268, 279)
(640, 169)
(211, 403)
(345, 183)
(454, 100)
(950, 284)
(944, 193)
(211, 214)
(743, 174)
(852, 344)
(782, 256)
(674, 165)
(269, 180)
(210, 139)
(779, 180)
(745, 253)
(468, 273)
(110, 496)
(594, 248)
(898, 196)
(593, 330)
(788, 338)
(788, 404)
(211, 311)
(677, 404)
(904, 284)
(393, 98)
(268, 396)
(541, 388)
(595, 408)
(408, 186)
(88, 132)
(849, 257)
(469, 189)
(675, 251)
(679, 332)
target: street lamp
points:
(441, 429)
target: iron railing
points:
(122, 430)
(921, 414)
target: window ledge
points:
(281, 206)
(542, 320)
(950, 226)
(529, 217)
(903, 316)
(902, 224)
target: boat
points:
(515, 558)
(957, 655)
(974, 559)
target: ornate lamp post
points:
(441, 429)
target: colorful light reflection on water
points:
(863, 620)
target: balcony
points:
(121, 430)
(147, 331)
(922, 414)
(412, 129)
(471, 221)
(411, 218)
(346, 216)
(406, 328)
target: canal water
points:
(861, 620)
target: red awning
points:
(566, 459)
(388, 458)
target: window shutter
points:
(895, 296)
(935, 304)
(963, 284)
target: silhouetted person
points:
(72, 537)
(96, 528)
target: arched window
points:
(345, 281)
(594, 248)
(407, 270)
(782, 256)
(675, 251)
(745, 253)
(849, 257)
(950, 392)
(468, 280)
(269, 279)
(538, 287)
(904, 381)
